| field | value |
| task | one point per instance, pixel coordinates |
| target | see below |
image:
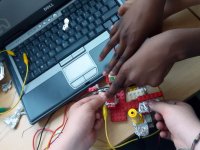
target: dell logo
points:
(49, 6)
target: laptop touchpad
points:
(80, 70)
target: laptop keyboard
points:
(46, 48)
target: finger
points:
(161, 126)
(122, 10)
(127, 54)
(159, 107)
(109, 46)
(96, 103)
(158, 117)
(98, 116)
(116, 85)
(117, 57)
(111, 64)
(98, 124)
(114, 29)
(165, 134)
(86, 99)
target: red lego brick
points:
(118, 115)
(149, 96)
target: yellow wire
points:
(21, 93)
(133, 140)
(105, 114)
(3, 51)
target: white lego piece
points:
(132, 95)
(2, 73)
(66, 24)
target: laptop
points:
(63, 58)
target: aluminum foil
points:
(141, 130)
(14, 119)
(144, 108)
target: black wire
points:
(44, 129)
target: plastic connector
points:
(25, 58)
(11, 53)
(136, 117)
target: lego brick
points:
(150, 96)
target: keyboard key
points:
(45, 50)
(92, 34)
(71, 48)
(58, 49)
(52, 53)
(111, 4)
(98, 22)
(110, 13)
(39, 54)
(43, 67)
(91, 26)
(65, 44)
(45, 57)
(108, 24)
(78, 35)
(91, 19)
(51, 62)
(71, 40)
(58, 41)
(78, 28)
(99, 29)
(85, 31)
(39, 62)
(84, 23)
(37, 72)
(97, 14)
(52, 45)
(65, 36)
(114, 18)
(104, 9)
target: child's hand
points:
(84, 119)
(177, 121)
(139, 22)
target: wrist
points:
(184, 43)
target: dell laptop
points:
(63, 40)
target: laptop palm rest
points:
(58, 90)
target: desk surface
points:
(181, 82)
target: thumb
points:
(97, 102)
(159, 107)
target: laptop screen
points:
(21, 14)
(12, 12)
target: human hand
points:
(83, 122)
(177, 121)
(149, 65)
(154, 59)
(137, 24)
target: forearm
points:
(174, 6)
(185, 43)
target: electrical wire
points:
(23, 85)
(133, 140)
(38, 131)
(63, 123)
(105, 114)
(44, 129)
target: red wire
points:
(39, 130)
(63, 123)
